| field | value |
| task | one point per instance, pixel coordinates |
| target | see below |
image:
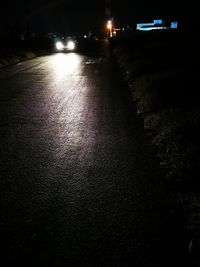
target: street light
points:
(109, 27)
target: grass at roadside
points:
(14, 56)
(16, 50)
(162, 71)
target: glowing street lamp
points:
(109, 24)
(109, 27)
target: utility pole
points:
(108, 9)
(109, 20)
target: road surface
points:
(80, 183)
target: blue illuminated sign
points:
(174, 25)
(158, 21)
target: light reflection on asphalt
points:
(79, 181)
(64, 64)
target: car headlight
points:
(71, 45)
(59, 45)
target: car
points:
(65, 44)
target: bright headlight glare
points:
(71, 45)
(59, 45)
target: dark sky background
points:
(80, 16)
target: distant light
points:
(158, 21)
(144, 25)
(174, 25)
(109, 24)
(85, 36)
(157, 24)
(59, 45)
(151, 28)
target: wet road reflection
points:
(64, 64)
(79, 180)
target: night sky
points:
(81, 16)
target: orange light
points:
(109, 24)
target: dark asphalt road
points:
(80, 183)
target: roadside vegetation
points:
(162, 71)
(13, 50)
